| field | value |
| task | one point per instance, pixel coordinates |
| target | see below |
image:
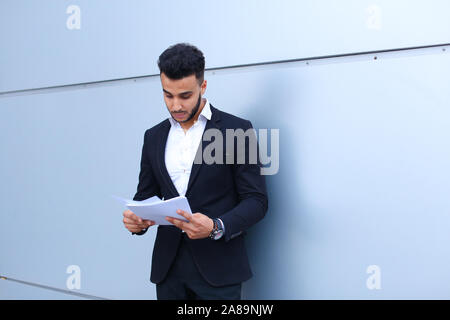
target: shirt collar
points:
(206, 113)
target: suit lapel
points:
(213, 123)
(161, 150)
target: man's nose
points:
(176, 106)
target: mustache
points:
(191, 113)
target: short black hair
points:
(182, 60)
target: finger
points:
(149, 223)
(185, 214)
(192, 235)
(134, 227)
(132, 222)
(137, 219)
(176, 222)
(130, 215)
(129, 221)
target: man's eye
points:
(185, 97)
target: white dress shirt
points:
(181, 148)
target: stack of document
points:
(156, 209)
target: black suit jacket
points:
(235, 193)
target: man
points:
(204, 258)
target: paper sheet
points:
(156, 209)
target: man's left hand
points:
(198, 227)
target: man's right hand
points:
(135, 224)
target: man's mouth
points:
(179, 115)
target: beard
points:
(193, 112)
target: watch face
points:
(218, 234)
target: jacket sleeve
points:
(147, 186)
(251, 189)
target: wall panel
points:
(120, 39)
(362, 178)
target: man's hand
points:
(198, 227)
(135, 224)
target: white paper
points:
(156, 209)
(128, 201)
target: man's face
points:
(182, 96)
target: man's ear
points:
(203, 86)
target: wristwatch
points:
(217, 231)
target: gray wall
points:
(363, 142)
